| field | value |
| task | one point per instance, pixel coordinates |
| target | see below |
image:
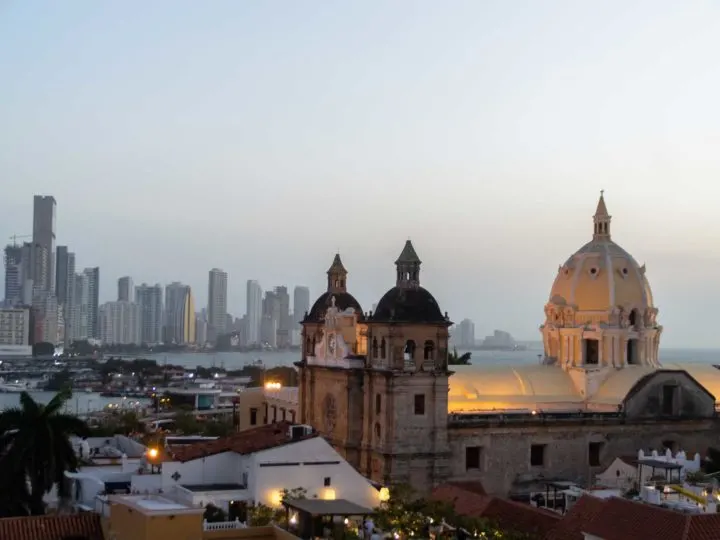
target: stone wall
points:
(505, 450)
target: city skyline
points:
(482, 131)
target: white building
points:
(120, 323)
(150, 300)
(255, 466)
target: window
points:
(668, 403)
(378, 432)
(592, 352)
(326, 481)
(383, 348)
(253, 417)
(274, 413)
(378, 403)
(428, 350)
(594, 449)
(374, 348)
(419, 403)
(282, 413)
(537, 455)
(472, 457)
(409, 353)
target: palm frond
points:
(58, 401)
(29, 405)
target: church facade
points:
(379, 387)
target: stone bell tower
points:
(406, 385)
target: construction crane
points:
(14, 237)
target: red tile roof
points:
(622, 519)
(85, 525)
(573, 523)
(507, 514)
(246, 442)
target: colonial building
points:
(378, 386)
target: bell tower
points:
(406, 384)
(337, 276)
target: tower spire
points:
(408, 267)
(601, 220)
(337, 276)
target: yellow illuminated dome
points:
(601, 275)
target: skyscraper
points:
(64, 274)
(151, 306)
(217, 303)
(44, 208)
(254, 312)
(126, 289)
(93, 301)
(284, 321)
(179, 314)
(13, 275)
(301, 304)
(270, 320)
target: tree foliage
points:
(35, 451)
(214, 514)
(407, 515)
(459, 360)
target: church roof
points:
(343, 300)
(408, 305)
(408, 254)
(477, 388)
(337, 266)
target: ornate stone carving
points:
(615, 313)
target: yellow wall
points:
(257, 398)
(127, 523)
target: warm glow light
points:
(153, 453)
(276, 497)
(273, 385)
(293, 519)
(329, 494)
(384, 494)
(347, 521)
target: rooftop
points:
(325, 507)
(153, 504)
(213, 487)
(511, 515)
(86, 525)
(246, 442)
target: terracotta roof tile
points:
(508, 514)
(621, 519)
(86, 525)
(578, 517)
(246, 442)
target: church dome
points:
(408, 302)
(337, 289)
(601, 275)
(408, 305)
(343, 300)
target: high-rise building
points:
(76, 328)
(179, 314)
(217, 303)
(45, 311)
(62, 275)
(254, 311)
(35, 264)
(284, 320)
(271, 319)
(301, 304)
(44, 211)
(13, 275)
(149, 297)
(200, 329)
(464, 334)
(126, 289)
(15, 327)
(120, 323)
(93, 301)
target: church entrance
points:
(592, 352)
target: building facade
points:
(217, 303)
(378, 385)
(254, 311)
(150, 300)
(126, 289)
(13, 261)
(120, 323)
(93, 301)
(44, 217)
(15, 327)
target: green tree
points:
(36, 446)
(213, 514)
(186, 423)
(461, 360)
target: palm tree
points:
(455, 360)
(35, 448)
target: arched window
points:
(313, 345)
(378, 432)
(374, 348)
(633, 318)
(309, 347)
(378, 403)
(429, 350)
(409, 350)
(383, 348)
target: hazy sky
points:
(261, 137)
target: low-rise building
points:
(15, 331)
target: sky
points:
(262, 137)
